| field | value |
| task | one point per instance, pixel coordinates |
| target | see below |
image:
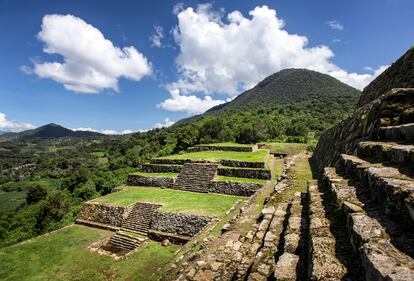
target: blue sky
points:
(132, 65)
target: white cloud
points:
(188, 103)
(336, 40)
(167, 123)
(13, 126)
(103, 131)
(156, 37)
(334, 24)
(91, 62)
(229, 55)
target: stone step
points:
(264, 261)
(386, 152)
(392, 188)
(370, 236)
(195, 177)
(323, 261)
(403, 132)
(124, 241)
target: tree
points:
(35, 194)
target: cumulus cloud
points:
(103, 131)
(190, 104)
(334, 24)
(167, 123)
(157, 36)
(227, 55)
(13, 126)
(91, 62)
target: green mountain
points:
(48, 131)
(292, 102)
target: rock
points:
(268, 210)
(215, 265)
(285, 269)
(226, 227)
(292, 243)
(206, 275)
(166, 243)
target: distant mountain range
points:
(47, 132)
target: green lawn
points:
(174, 200)
(287, 148)
(168, 175)
(257, 156)
(63, 255)
(226, 144)
(234, 179)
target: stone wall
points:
(158, 168)
(170, 161)
(244, 164)
(233, 188)
(399, 75)
(245, 173)
(105, 214)
(178, 223)
(138, 180)
(394, 108)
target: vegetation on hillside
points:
(289, 106)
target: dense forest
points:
(45, 176)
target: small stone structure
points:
(106, 214)
(195, 177)
(263, 174)
(139, 180)
(233, 188)
(243, 164)
(178, 223)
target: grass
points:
(287, 148)
(10, 201)
(13, 194)
(174, 200)
(63, 255)
(278, 167)
(257, 156)
(168, 175)
(226, 144)
(234, 179)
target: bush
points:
(35, 194)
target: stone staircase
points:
(195, 177)
(123, 241)
(139, 219)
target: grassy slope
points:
(174, 200)
(234, 179)
(257, 156)
(227, 144)
(168, 175)
(287, 148)
(15, 192)
(63, 255)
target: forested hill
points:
(292, 102)
(48, 131)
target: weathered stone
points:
(166, 242)
(323, 264)
(285, 269)
(292, 243)
(178, 223)
(383, 262)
